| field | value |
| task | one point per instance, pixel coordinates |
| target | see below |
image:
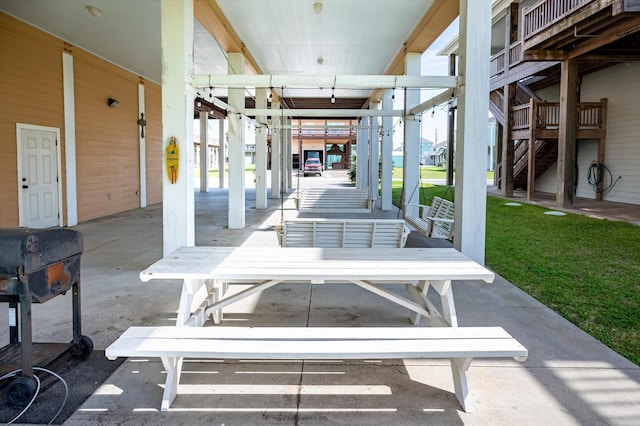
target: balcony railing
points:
(546, 115)
(497, 64)
(535, 19)
(546, 13)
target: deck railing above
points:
(546, 115)
(546, 13)
(535, 19)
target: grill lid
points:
(36, 248)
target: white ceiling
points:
(127, 33)
(284, 36)
(352, 37)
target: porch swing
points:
(434, 220)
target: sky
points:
(434, 121)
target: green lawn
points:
(583, 268)
(430, 172)
(216, 172)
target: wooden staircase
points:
(546, 150)
(539, 121)
(546, 156)
(496, 100)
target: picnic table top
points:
(316, 264)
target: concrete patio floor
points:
(569, 378)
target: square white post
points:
(387, 153)
(362, 154)
(204, 151)
(374, 157)
(472, 134)
(276, 139)
(142, 148)
(411, 153)
(236, 217)
(261, 151)
(177, 122)
(222, 153)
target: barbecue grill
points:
(37, 265)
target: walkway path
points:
(569, 378)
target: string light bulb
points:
(333, 96)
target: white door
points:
(38, 178)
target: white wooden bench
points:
(460, 345)
(334, 200)
(435, 220)
(328, 233)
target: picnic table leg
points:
(459, 367)
(173, 365)
(189, 289)
(184, 306)
(217, 293)
(446, 297)
(423, 287)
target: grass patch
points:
(583, 268)
(216, 172)
(430, 172)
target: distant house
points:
(426, 149)
(438, 154)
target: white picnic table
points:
(206, 271)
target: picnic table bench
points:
(322, 232)
(435, 220)
(334, 200)
(207, 268)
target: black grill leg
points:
(26, 344)
(77, 328)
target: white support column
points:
(362, 154)
(142, 148)
(472, 134)
(288, 157)
(261, 151)
(276, 138)
(236, 217)
(69, 139)
(177, 121)
(204, 151)
(387, 152)
(374, 157)
(222, 153)
(411, 153)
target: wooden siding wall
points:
(106, 139)
(622, 155)
(107, 149)
(31, 93)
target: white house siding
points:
(619, 85)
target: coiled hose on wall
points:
(596, 178)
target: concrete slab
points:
(569, 379)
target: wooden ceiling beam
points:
(211, 17)
(439, 16)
